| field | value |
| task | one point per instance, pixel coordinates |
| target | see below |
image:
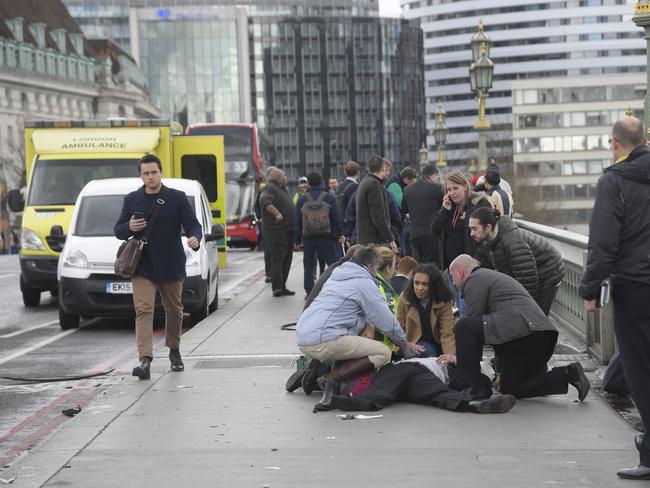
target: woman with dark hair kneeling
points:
(424, 311)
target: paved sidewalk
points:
(228, 422)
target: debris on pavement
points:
(359, 416)
(274, 468)
(71, 412)
(7, 481)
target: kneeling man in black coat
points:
(501, 313)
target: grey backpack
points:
(315, 216)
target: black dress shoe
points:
(143, 371)
(277, 293)
(575, 376)
(639, 473)
(310, 378)
(176, 360)
(267, 279)
(498, 403)
(289, 293)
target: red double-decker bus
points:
(247, 153)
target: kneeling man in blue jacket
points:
(328, 330)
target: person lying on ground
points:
(424, 381)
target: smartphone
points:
(138, 214)
(604, 293)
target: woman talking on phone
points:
(451, 225)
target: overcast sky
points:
(389, 8)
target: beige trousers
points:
(144, 299)
(349, 347)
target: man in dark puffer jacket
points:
(525, 256)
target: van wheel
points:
(68, 320)
(203, 311)
(54, 292)
(31, 297)
(214, 305)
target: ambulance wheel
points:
(31, 297)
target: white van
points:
(88, 285)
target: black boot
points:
(176, 360)
(142, 371)
(341, 370)
(329, 389)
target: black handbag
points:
(130, 251)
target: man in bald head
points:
(277, 224)
(619, 233)
(501, 313)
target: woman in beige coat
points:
(424, 311)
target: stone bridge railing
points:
(595, 329)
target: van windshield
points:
(98, 215)
(59, 181)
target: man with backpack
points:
(318, 226)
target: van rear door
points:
(201, 158)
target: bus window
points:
(202, 168)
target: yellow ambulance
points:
(62, 156)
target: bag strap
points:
(157, 206)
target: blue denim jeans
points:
(431, 350)
(323, 247)
(460, 301)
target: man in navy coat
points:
(162, 265)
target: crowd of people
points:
(434, 272)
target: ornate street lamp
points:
(424, 155)
(440, 132)
(479, 40)
(481, 73)
(642, 19)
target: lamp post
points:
(440, 132)
(642, 19)
(424, 155)
(480, 79)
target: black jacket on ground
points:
(619, 231)
(525, 256)
(373, 218)
(277, 196)
(445, 216)
(422, 201)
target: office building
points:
(539, 39)
(326, 80)
(561, 131)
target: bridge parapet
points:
(595, 329)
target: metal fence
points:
(595, 329)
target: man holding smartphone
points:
(162, 265)
(619, 233)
